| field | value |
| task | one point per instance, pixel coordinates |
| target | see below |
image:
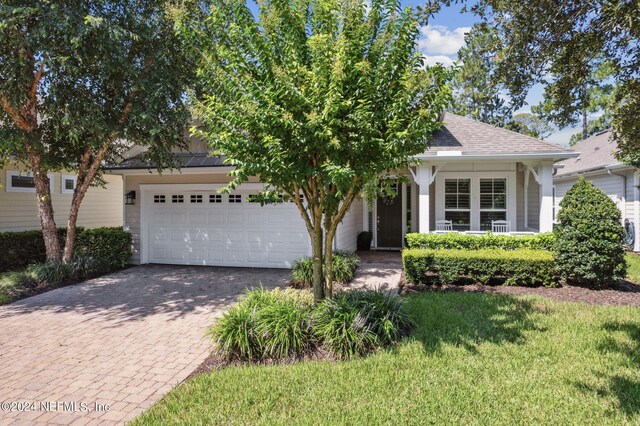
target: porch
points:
(471, 197)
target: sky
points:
(441, 39)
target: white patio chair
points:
(500, 226)
(444, 225)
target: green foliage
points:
(452, 240)
(265, 324)
(530, 124)
(277, 324)
(590, 237)
(110, 247)
(317, 98)
(345, 264)
(364, 240)
(356, 322)
(515, 267)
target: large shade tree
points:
(77, 80)
(319, 98)
(562, 39)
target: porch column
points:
(636, 210)
(365, 214)
(423, 175)
(545, 174)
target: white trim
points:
(545, 170)
(500, 157)
(9, 187)
(198, 186)
(63, 188)
(404, 211)
(183, 171)
(512, 210)
(636, 210)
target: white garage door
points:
(207, 228)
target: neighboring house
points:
(19, 211)
(597, 163)
(472, 174)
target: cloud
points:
(438, 59)
(439, 40)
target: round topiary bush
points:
(590, 237)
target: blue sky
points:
(444, 35)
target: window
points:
(493, 201)
(235, 198)
(23, 182)
(457, 203)
(177, 198)
(196, 198)
(252, 198)
(158, 199)
(215, 198)
(69, 184)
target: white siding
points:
(533, 198)
(351, 226)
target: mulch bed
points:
(624, 293)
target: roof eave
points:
(594, 170)
(527, 156)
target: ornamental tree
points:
(79, 78)
(319, 98)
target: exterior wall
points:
(100, 207)
(613, 186)
(351, 226)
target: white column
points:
(424, 179)
(545, 174)
(365, 214)
(636, 210)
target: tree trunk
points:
(328, 262)
(71, 225)
(317, 280)
(45, 211)
(585, 125)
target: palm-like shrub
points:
(356, 322)
(590, 237)
(345, 264)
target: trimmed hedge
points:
(514, 267)
(590, 246)
(109, 245)
(453, 241)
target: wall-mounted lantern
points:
(130, 198)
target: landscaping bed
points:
(472, 358)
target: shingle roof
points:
(474, 137)
(596, 152)
(184, 159)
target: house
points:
(473, 173)
(19, 210)
(598, 164)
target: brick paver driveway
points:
(124, 339)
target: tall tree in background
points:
(476, 92)
(78, 78)
(567, 105)
(530, 124)
(318, 98)
(559, 37)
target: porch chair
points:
(444, 225)
(500, 226)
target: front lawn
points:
(633, 267)
(474, 358)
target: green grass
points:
(633, 267)
(473, 359)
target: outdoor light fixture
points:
(130, 198)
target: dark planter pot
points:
(364, 240)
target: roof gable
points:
(596, 152)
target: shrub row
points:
(280, 324)
(345, 265)
(514, 267)
(110, 246)
(452, 241)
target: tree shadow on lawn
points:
(623, 337)
(470, 319)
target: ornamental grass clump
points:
(590, 238)
(344, 263)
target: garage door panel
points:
(224, 233)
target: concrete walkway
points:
(123, 340)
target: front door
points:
(389, 220)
